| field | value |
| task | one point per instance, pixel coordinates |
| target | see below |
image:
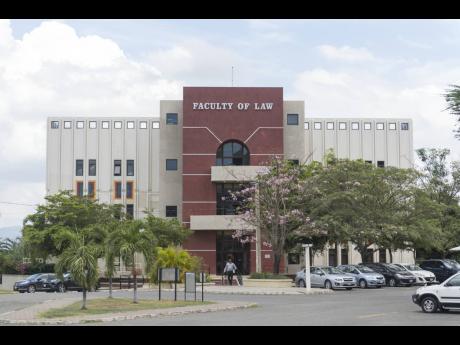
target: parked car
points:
(442, 297)
(39, 282)
(423, 277)
(71, 285)
(327, 277)
(442, 269)
(365, 276)
(394, 275)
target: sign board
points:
(190, 282)
(169, 274)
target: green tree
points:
(131, 238)
(168, 232)
(61, 213)
(79, 257)
(452, 97)
(174, 257)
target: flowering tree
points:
(275, 203)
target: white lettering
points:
(240, 106)
(195, 105)
(229, 106)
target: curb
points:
(149, 315)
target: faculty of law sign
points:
(230, 106)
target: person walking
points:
(230, 270)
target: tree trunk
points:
(366, 257)
(391, 255)
(135, 288)
(83, 306)
(110, 287)
(276, 263)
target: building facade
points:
(184, 161)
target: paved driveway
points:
(387, 306)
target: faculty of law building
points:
(182, 162)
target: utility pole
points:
(307, 266)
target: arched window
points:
(232, 153)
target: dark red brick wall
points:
(200, 146)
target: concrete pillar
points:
(339, 254)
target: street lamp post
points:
(307, 266)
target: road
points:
(387, 306)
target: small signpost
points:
(190, 284)
(202, 280)
(168, 275)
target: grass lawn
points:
(115, 305)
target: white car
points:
(423, 277)
(444, 296)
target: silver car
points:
(365, 276)
(327, 277)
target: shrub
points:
(172, 257)
(267, 275)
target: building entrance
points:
(227, 246)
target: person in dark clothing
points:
(230, 270)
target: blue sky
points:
(349, 68)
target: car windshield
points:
(331, 270)
(365, 269)
(413, 267)
(394, 268)
(34, 276)
(454, 263)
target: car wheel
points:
(392, 282)
(429, 304)
(327, 285)
(362, 284)
(61, 288)
(31, 289)
(301, 283)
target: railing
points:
(122, 282)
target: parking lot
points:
(387, 306)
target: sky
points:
(343, 68)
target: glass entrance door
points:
(228, 247)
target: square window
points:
(342, 126)
(129, 190)
(367, 126)
(171, 119)
(54, 124)
(91, 189)
(392, 126)
(369, 162)
(404, 126)
(92, 124)
(155, 124)
(80, 189)
(171, 164)
(330, 125)
(293, 119)
(294, 161)
(130, 125)
(143, 125)
(80, 124)
(79, 167)
(92, 167)
(306, 125)
(171, 211)
(117, 167)
(117, 125)
(130, 211)
(380, 126)
(105, 124)
(317, 125)
(355, 126)
(117, 190)
(381, 164)
(67, 124)
(130, 167)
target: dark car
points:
(394, 275)
(442, 269)
(39, 282)
(71, 285)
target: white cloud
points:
(345, 53)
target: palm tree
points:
(129, 239)
(80, 259)
(453, 103)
